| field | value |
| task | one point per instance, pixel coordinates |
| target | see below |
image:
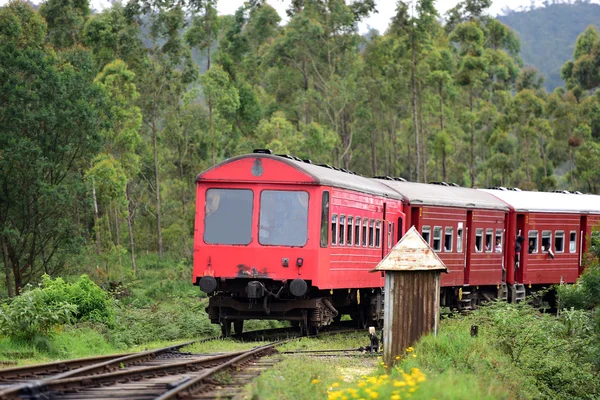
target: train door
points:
(583, 244)
(466, 250)
(521, 261)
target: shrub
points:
(93, 303)
(30, 318)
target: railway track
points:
(156, 374)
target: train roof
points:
(446, 196)
(322, 175)
(524, 201)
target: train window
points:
(489, 236)
(378, 234)
(533, 242)
(559, 241)
(459, 238)
(357, 231)
(349, 229)
(573, 242)
(365, 226)
(283, 218)
(334, 229)
(342, 229)
(325, 219)
(371, 233)
(228, 216)
(546, 240)
(498, 242)
(437, 238)
(426, 233)
(390, 234)
(448, 238)
(479, 240)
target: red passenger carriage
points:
(279, 238)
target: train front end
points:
(256, 242)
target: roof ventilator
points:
(263, 151)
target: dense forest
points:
(106, 119)
(548, 34)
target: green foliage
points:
(92, 302)
(31, 317)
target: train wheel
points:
(226, 328)
(238, 326)
(313, 329)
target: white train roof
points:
(522, 201)
(445, 196)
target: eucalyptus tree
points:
(167, 71)
(121, 140)
(414, 22)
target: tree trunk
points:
(415, 118)
(444, 171)
(9, 286)
(423, 133)
(212, 130)
(374, 153)
(130, 226)
(96, 227)
(472, 174)
(441, 91)
(157, 182)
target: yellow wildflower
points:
(395, 397)
(314, 381)
(399, 383)
(362, 384)
(410, 349)
(397, 357)
(414, 355)
(374, 395)
(335, 384)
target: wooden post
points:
(412, 294)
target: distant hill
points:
(548, 35)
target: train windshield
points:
(283, 218)
(228, 216)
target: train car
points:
(556, 228)
(281, 238)
(467, 228)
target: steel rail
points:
(10, 374)
(192, 384)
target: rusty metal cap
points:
(411, 253)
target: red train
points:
(280, 238)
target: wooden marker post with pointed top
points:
(412, 294)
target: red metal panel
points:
(447, 217)
(348, 266)
(255, 260)
(485, 267)
(540, 268)
(252, 170)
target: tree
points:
(50, 99)
(65, 19)
(417, 27)
(472, 72)
(123, 137)
(167, 72)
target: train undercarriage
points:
(233, 301)
(297, 301)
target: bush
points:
(30, 318)
(93, 303)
